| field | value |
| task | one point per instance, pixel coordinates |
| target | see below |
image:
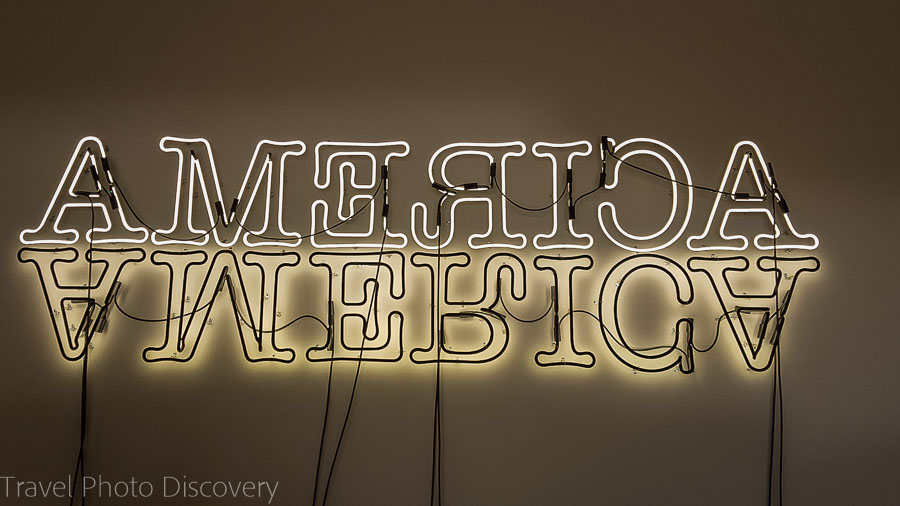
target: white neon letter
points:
(255, 328)
(188, 177)
(341, 157)
(562, 236)
(73, 332)
(751, 161)
(564, 351)
(497, 235)
(757, 341)
(682, 198)
(680, 351)
(102, 192)
(462, 345)
(264, 158)
(365, 321)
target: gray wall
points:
(814, 84)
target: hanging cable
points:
(79, 462)
(777, 422)
(780, 426)
(384, 178)
(437, 436)
(359, 361)
(324, 423)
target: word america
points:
(362, 320)
(263, 190)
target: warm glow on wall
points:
(365, 303)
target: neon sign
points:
(375, 282)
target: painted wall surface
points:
(813, 83)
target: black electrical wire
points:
(716, 338)
(660, 176)
(286, 325)
(318, 232)
(780, 427)
(606, 330)
(583, 195)
(777, 423)
(436, 436)
(79, 462)
(324, 424)
(155, 320)
(524, 320)
(278, 329)
(359, 361)
(654, 174)
(144, 223)
(719, 324)
(496, 186)
(204, 306)
(772, 440)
